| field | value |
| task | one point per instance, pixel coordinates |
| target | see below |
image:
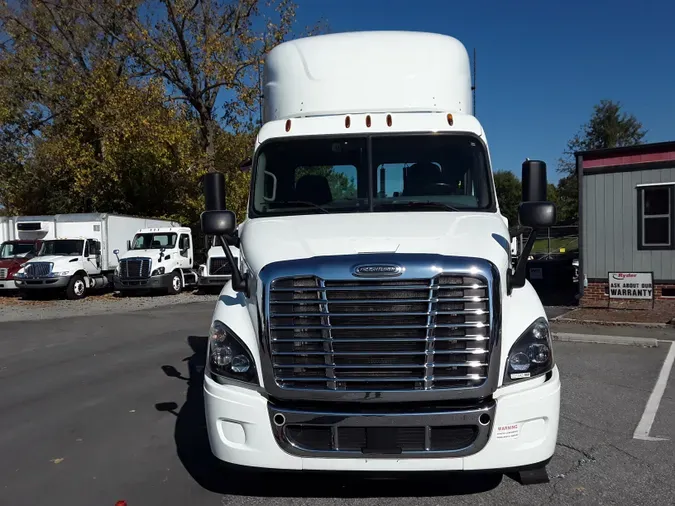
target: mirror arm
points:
(233, 239)
(518, 278)
(239, 282)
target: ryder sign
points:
(631, 285)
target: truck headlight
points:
(158, 271)
(531, 355)
(228, 356)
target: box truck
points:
(374, 321)
(77, 251)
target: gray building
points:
(627, 224)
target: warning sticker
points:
(508, 431)
(518, 375)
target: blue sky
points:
(541, 65)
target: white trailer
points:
(6, 228)
(77, 252)
(374, 321)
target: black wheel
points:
(77, 288)
(26, 295)
(176, 283)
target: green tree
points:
(209, 53)
(79, 130)
(509, 194)
(608, 127)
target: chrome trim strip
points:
(416, 266)
(340, 419)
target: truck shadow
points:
(192, 447)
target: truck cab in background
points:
(73, 264)
(216, 271)
(13, 254)
(376, 322)
(157, 259)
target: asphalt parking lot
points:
(97, 409)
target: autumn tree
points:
(79, 131)
(209, 53)
(608, 127)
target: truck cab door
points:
(92, 257)
(185, 251)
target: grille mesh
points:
(368, 335)
(134, 268)
(219, 266)
(406, 439)
(37, 269)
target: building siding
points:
(610, 220)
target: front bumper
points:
(213, 280)
(41, 283)
(151, 283)
(7, 284)
(523, 431)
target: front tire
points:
(176, 285)
(77, 288)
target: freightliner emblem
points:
(376, 270)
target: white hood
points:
(217, 251)
(55, 259)
(144, 253)
(480, 235)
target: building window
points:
(655, 217)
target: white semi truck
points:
(216, 271)
(375, 322)
(160, 258)
(78, 251)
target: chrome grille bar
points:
(379, 335)
(38, 269)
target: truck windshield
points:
(16, 249)
(434, 172)
(163, 240)
(62, 247)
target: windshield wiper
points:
(425, 204)
(302, 203)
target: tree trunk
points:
(207, 130)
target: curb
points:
(647, 342)
(560, 319)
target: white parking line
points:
(645, 425)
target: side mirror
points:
(534, 181)
(116, 252)
(218, 223)
(537, 214)
(534, 212)
(128, 245)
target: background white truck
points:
(77, 252)
(216, 271)
(376, 323)
(160, 258)
(6, 228)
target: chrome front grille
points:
(3, 273)
(38, 269)
(379, 335)
(219, 266)
(135, 268)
